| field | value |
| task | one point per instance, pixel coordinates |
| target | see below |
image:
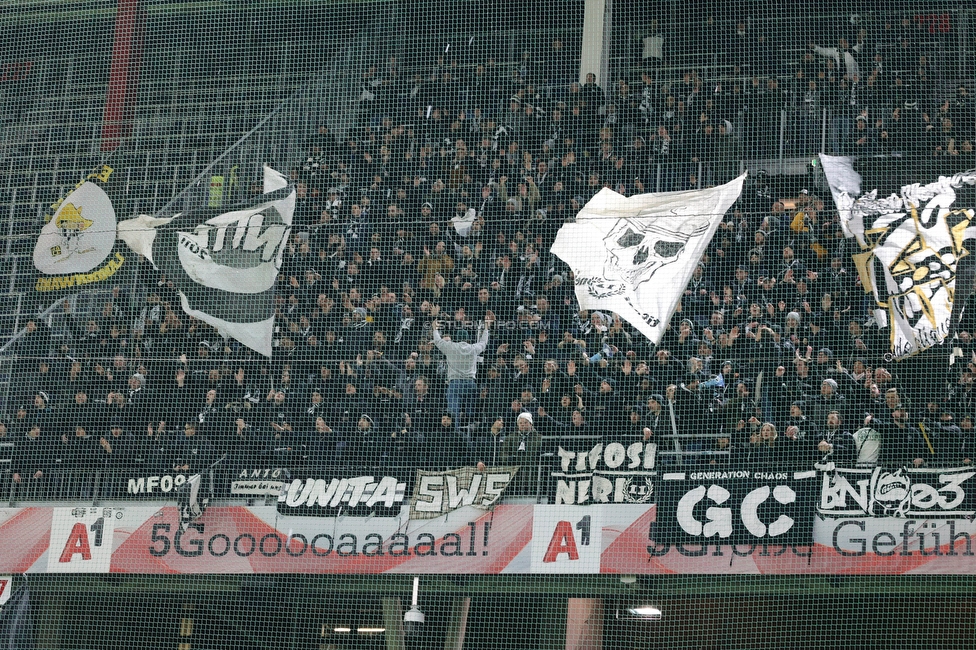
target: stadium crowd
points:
(423, 322)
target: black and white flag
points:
(192, 501)
(634, 255)
(224, 261)
(17, 629)
(912, 245)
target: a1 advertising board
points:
(509, 538)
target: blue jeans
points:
(462, 396)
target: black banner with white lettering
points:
(735, 507)
(378, 496)
(236, 481)
(157, 486)
(878, 492)
(605, 473)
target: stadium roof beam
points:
(320, 586)
(19, 12)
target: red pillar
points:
(123, 82)
(584, 624)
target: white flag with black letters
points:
(635, 255)
(224, 261)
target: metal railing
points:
(150, 484)
(86, 486)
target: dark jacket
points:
(194, 451)
(844, 453)
(900, 446)
(33, 454)
(522, 449)
(120, 452)
(692, 412)
(79, 452)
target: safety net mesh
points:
(573, 324)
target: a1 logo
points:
(81, 540)
(566, 539)
(5, 588)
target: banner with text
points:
(913, 492)
(605, 473)
(379, 496)
(736, 507)
(154, 486)
(911, 244)
(510, 538)
(259, 481)
(438, 493)
(76, 247)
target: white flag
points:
(845, 186)
(635, 255)
(910, 245)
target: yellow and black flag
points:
(77, 245)
(915, 245)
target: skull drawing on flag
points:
(639, 246)
(633, 255)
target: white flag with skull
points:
(635, 255)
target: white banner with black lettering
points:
(605, 473)
(634, 255)
(735, 507)
(910, 245)
(904, 492)
(438, 493)
(259, 481)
